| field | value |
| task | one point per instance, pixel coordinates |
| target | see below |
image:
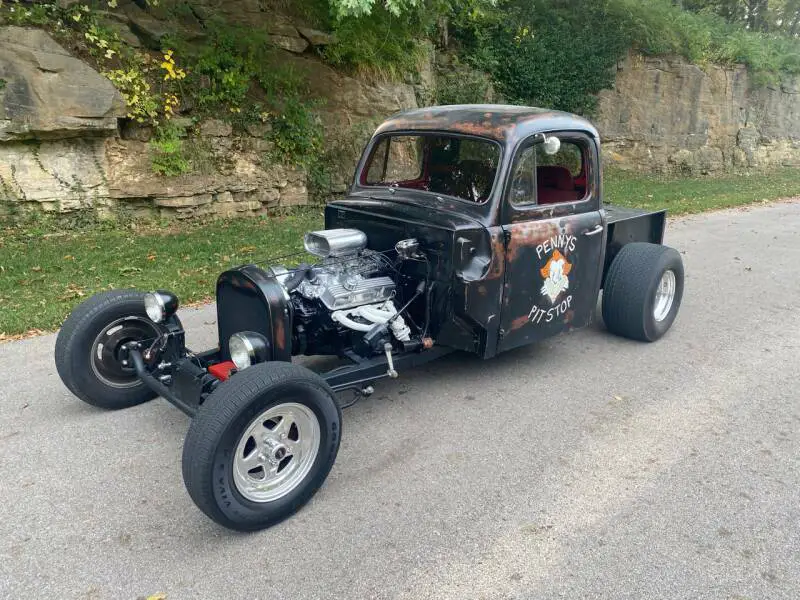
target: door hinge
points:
(506, 236)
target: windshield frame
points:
(394, 190)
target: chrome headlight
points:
(248, 348)
(160, 305)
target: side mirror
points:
(551, 144)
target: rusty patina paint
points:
(519, 322)
(529, 234)
(529, 311)
(279, 333)
(503, 123)
(497, 268)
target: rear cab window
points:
(450, 165)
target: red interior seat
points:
(555, 184)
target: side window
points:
(523, 182)
(541, 178)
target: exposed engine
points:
(342, 283)
(342, 301)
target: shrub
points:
(545, 53)
(379, 45)
(168, 155)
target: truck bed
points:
(627, 225)
(615, 214)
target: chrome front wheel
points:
(276, 452)
(261, 445)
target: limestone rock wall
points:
(65, 146)
(666, 114)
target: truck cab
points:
(508, 203)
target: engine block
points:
(347, 283)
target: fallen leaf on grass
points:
(128, 270)
(73, 291)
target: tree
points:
(357, 8)
(777, 16)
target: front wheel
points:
(88, 352)
(261, 445)
(643, 291)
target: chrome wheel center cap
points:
(275, 449)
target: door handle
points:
(594, 231)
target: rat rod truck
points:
(467, 228)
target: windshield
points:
(443, 164)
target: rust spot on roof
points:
(498, 122)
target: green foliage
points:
(776, 16)
(142, 102)
(296, 133)
(237, 75)
(462, 85)
(660, 27)
(546, 53)
(360, 8)
(36, 14)
(168, 154)
(379, 44)
(558, 54)
(226, 65)
(3, 84)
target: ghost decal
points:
(555, 273)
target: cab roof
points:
(501, 122)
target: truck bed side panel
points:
(626, 225)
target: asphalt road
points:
(587, 466)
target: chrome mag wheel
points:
(276, 452)
(665, 295)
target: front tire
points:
(87, 353)
(261, 445)
(643, 291)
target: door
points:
(554, 238)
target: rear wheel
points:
(88, 349)
(643, 291)
(261, 445)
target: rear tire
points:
(643, 291)
(261, 445)
(87, 346)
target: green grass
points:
(684, 195)
(45, 272)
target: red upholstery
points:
(554, 185)
(555, 177)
